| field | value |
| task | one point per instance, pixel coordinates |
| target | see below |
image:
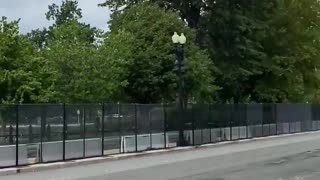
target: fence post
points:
(150, 127)
(136, 126)
(209, 122)
(289, 126)
(102, 129)
(247, 123)
(230, 121)
(165, 124)
(269, 126)
(119, 126)
(239, 115)
(17, 135)
(42, 129)
(221, 123)
(201, 127)
(316, 128)
(275, 117)
(64, 131)
(84, 132)
(193, 124)
(262, 121)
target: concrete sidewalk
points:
(265, 141)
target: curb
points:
(109, 158)
(88, 161)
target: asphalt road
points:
(287, 158)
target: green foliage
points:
(68, 15)
(266, 51)
(151, 75)
(23, 78)
(82, 74)
(189, 10)
(65, 13)
(232, 32)
(293, 47)
(262, 51)
(39, 38)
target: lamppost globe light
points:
(175, 38)
(78, 112)
(182, 39)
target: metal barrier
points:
(44, 133)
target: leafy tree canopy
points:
(23, 78)
(151, 57)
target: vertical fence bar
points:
(314, 119)
(17, 135)
(64, 132)
(221, 124)
(317, 117)
(300, 121)
(200, 119)
(247, 123)
(262, 122)
(150, 127)
(270, 120)
(102, 129)
(275, 117)
(84, 132)
(193, 124)
(239, 124)
(164, 106)
(311, 119)
(42, 126)
(230, 122)
(119, 126)
(209, 122)
(295, 126)
(136, 126)
(289, 125)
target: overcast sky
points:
(32, 13)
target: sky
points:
(32, 13)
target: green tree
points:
(39, 37)
(68, 11)
(81, 73)
(232, 32)
(151, 75)
(189, 10)
(62, 15)
(23, 78)
(292, 45)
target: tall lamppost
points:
(179, 42)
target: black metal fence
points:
(32, 134)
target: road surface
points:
(287, 158)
